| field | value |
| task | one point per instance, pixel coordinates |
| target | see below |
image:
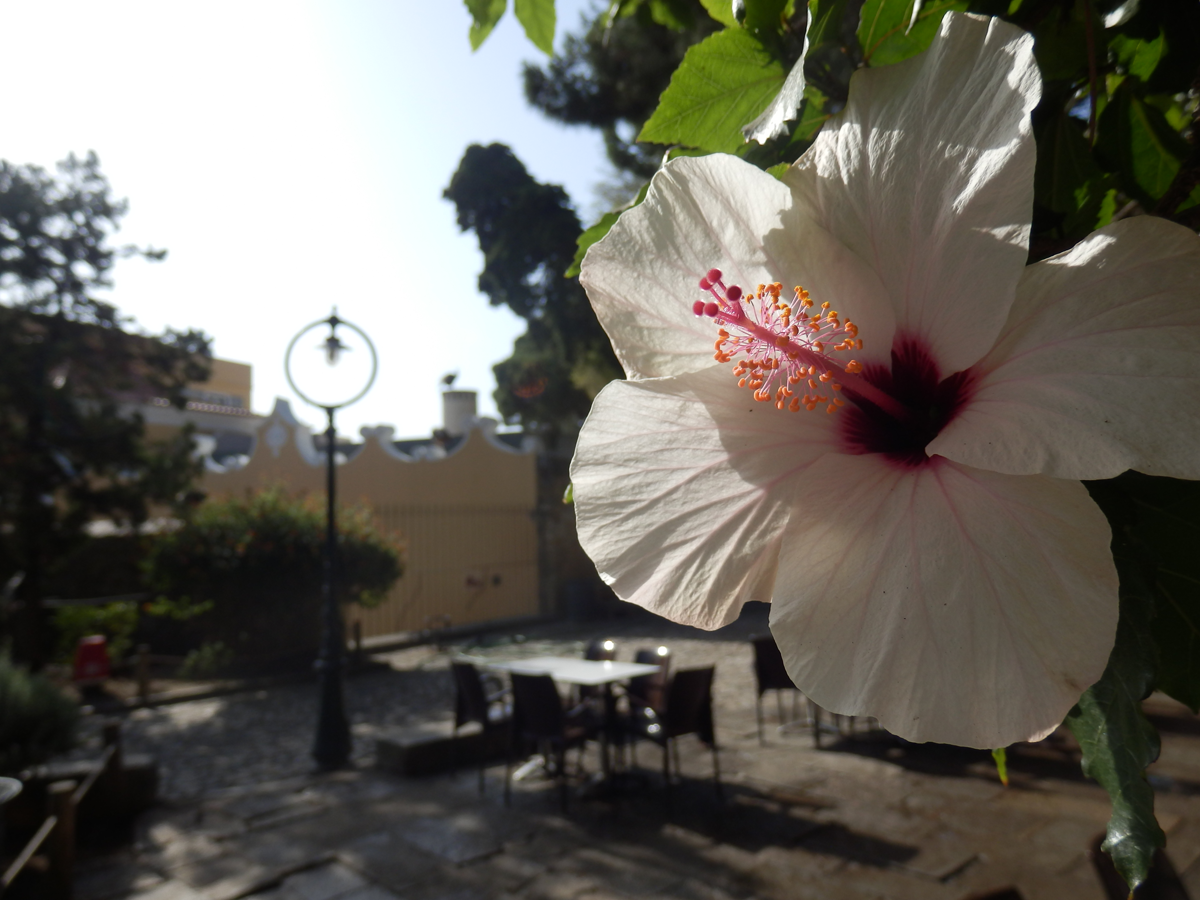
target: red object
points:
(91, 660)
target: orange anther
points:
(830, 408)
(794, 406)
(853, 367)
(741, 382)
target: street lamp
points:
(331, 748)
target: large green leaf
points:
(889, 32)
(1068, 180)
(764, 16)
(723, 82)
(484, 16)
(1138, 143)
(1117, 741)
(1167, 528)
(825, 20)
(1137, 57)
(537, 18)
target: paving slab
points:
(868, 816)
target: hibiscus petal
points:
(1097, 369)
(682, 489)
(714, 212)
(952, 604)
(927, 174)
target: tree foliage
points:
(252, 567)
(527, 232)
(70, 449)
(610, 76)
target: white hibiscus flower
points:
(930, 556)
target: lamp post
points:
(331, 747)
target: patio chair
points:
(474, 703)
(646, 691)
(540, 722)
(771, 675)
(596, 650)
(687, 709)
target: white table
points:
(588, 672)
(571, 670)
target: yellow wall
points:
(468, 520)
(229, 378)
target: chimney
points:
(458, 411)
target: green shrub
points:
(257, 563)
(207, 660)
(116, 621)
(36, 719)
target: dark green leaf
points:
(723, 83)
(1167, 528)
(1068, 181)
(764, 16)
(537, 18)
(1061, 48)
(889, 33)
(1138, 143)
(1064, 163)
(599, 230)
(1117, 741)
(826, 20)
(484, 16)
(673, 14)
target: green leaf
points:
(1136, 56)
(1117, 741)
(537, 18)
(1138, 143)
(484, 16)
(776, 171)
(1001, 758)
(673, 14)
(1166, 526)
(1068, 180)
(764, 16)
(784, 108)
(569, 493)
(1064, 163)
(599, 230)
(721, 10)
(825, 19)
(889, 32)
(723, 82)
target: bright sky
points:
(291, 156)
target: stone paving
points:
(866, 817)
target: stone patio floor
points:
(866, 816)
